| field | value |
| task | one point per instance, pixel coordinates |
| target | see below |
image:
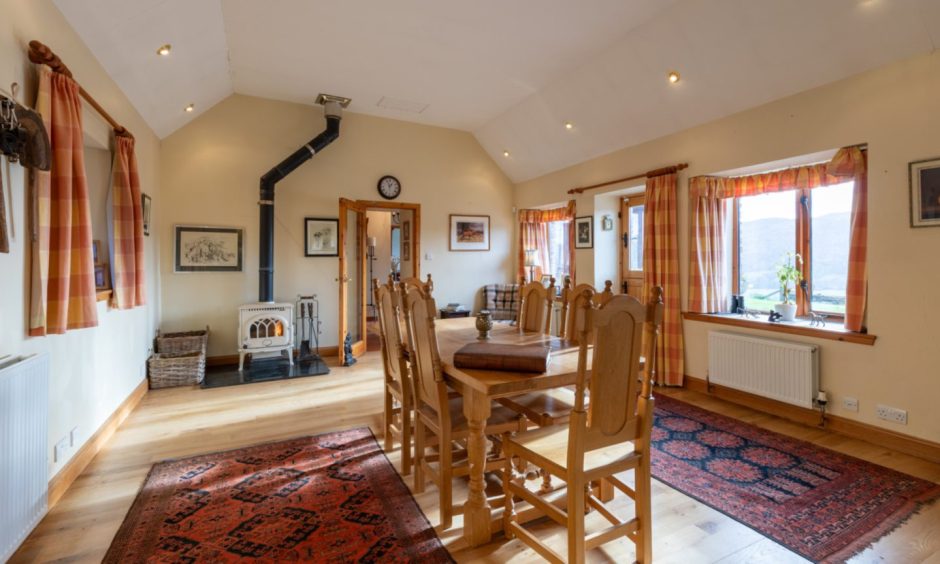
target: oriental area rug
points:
(821, 504)
(329, 498)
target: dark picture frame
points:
(469, 233)
(145, 205)
(924, 183)
(321, 237)
(584, 232)
(208, 249)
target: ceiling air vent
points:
(401, 105)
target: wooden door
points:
(353, 286)
(632, 212)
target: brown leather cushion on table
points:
(510, 358)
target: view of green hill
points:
(774, 238)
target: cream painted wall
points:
(896, 110)
(210, 171)
(606, 243)
(380, 227)
(92, 370)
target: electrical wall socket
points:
(73, 437)
(850, 404)
(889, 413)
(61, 448)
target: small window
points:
(831, 211)
(559, 251)
(766, 233)
(635, 234)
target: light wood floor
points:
(183, 422)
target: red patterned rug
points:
(821, 504)
(329, 498)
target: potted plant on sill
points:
(788, 272)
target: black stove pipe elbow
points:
(266, 204)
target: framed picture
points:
(925, 192)
(102, 277)
(145, 211)
(208, 249)
(96, 250)
(321, 237)
(469, 232)
(584, 232)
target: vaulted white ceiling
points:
(511, 72)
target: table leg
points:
(477, 513)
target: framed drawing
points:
(469, 232)
(102, 277)
(584, 232)
(96, 251)
(208, 249)
(924, 178)
(145, 212)
(321, 237)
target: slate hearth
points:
(263, 370)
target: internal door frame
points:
(362, 206)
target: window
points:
(768, 226)
(635, 235)
(559, 251)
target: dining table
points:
(480, 387)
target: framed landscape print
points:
(925, 192)
(584, 232)
(208, 249)
(469, 232)
(321, 237)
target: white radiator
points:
(779, 370)
(24, 470)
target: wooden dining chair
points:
(572, 310)
(609, 437)
(602, 297)
(399, 392)
(535, 306)
(437, 412)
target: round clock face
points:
(389, 187)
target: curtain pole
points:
(647, 174)
(43, 55)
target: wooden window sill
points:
(104, 295)
(834, 332)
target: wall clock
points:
(389, 187)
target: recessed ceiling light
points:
(569, 125)
(506, 154)
(673, 77)
(190, 107)
(164, 50)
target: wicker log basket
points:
(180, 359)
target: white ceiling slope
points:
(511, 72)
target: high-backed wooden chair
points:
(535, 306)
(604, 296)
(425, 286)
(572, 308)
(399, 391)
(610, 436)
(437, 412)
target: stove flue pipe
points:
(333, 109)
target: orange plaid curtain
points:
(533, 234)
(62, 289)
(661, 268)
(127, 227)
(850, 162)
(708, 216)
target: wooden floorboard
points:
(183, 422)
